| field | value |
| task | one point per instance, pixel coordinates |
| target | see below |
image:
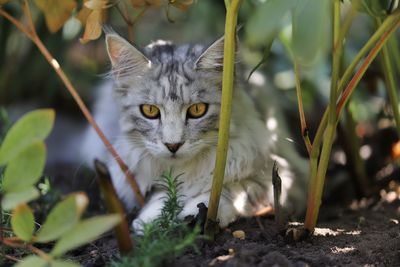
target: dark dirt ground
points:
(365, 234)
(362, 233)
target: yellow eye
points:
(196, 111)
(150, 111)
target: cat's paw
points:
(226, 213)
(149, 212)
(191, 206)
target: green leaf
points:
(25, 169)
(60, 263)
(267, 20)
(84, 232)
(309, 29)
(32, 261)
(12, 199)
(23, 222)
(33, 127)
(63, 217)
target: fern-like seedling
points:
(166, 237)
(172, 204)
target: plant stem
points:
(226, 105)
(114, 205)
(31, 34)
(316, 188)
(368, 60)
(346, 77)
(385, 32)
(303, 123)
(391, 83)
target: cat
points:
(167, 100)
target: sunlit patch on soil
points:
(337, 250)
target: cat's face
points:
(169, 96)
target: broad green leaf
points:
(60, 263)
(56, 12)
(310, 29)
(25, 169)
(12, 199)
(84, 232)
(63, 217)
(33, 127)
(32, 261)
(267, 20)
(23, 222)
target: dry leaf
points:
(56, 12)
(3, 1)
(97, 4)
(93, 27)
(92, 16)
(181, 4)
(142, 3)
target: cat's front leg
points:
(150, 211)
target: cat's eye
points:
(150, 111)
(196, 111)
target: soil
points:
(365, 234)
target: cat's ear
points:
(124, 56)
(213, 56)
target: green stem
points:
(395, 53)
(316, 188)
(226, 105)
(368, 60)
(391, 88)
(316, 183)
(346, 78)
(303, 123)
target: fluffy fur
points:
(173, 78)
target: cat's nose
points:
(173, 147)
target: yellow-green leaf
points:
(33, 127)
(32, 261)
(63, 217)
(25, 169)
(23, 222)
(12, 199)
(84, 232)
(56, 12)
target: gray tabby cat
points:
(169, 101)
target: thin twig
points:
(11, 258)
(16, 23)
(30, 247)
(303, 123)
